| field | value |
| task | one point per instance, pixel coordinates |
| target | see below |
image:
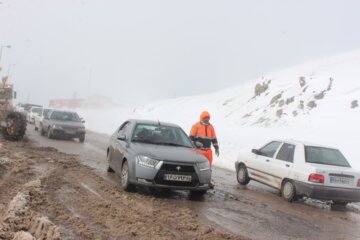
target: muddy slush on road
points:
(63, 187)
(50, 195)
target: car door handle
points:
(267, 160)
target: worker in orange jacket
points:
(204, 133)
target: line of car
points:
(57, 123)
(161, 155)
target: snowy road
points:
(254, 211)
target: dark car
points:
(63, 124)
(157, 154)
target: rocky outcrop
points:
(311, 104)
(276, 98)
(261, 87)
(320, 95)
(281, 103)
(354, 104)
(301, 105)
(279, 113)
(290, 100)
(330, 84)
(302, 81)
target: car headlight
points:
(204, 166)
(56, 127)
(146, 161)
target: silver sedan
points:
(157, 154)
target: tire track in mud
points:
(67, 200)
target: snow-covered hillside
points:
(315, 102)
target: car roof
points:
(152, 122)
(297, 142)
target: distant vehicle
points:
(28, 106)
(157, 154)
(63, 124)
(34, 111)
(39, 118)
(301, 169)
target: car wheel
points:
(82, 138)
(338, 205)
(125, 184)
(242, 175)
(42, 132)
(288, 191)
(198, 193)
(50, 135)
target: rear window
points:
(326, 156)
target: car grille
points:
(67, 128)
(174, 169)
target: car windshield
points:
(326, 156)
(46, 111)
(36, 110)
(65, 116)
(160, 135)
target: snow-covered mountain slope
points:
(315, 102)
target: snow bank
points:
(317, 111)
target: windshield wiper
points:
(172, 144)
(143, 141)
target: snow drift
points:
(314, 102)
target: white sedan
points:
(40, 117)
(301, 169)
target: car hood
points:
(168, 153)
(67, 123)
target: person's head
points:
(205, 117)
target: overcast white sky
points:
(139, 51)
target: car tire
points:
(82, 138)
(125, 184)
(198, 193)
(288, 191)
(36, 128)
(338, 205)
(42, 132)
(49, 134)
(242, 175)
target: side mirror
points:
(83, 121)
(122, 137)
(199, 144)
(255, 151)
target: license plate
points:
(70, 132)
(178, 178)
(340, 180)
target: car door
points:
(119, 146)
(281, 166)
(259, 166)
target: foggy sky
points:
(139, 51)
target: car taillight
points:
(358, 184)
(316, 178)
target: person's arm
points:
(193, 133)
(215, 142)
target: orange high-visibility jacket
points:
(204, 133)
